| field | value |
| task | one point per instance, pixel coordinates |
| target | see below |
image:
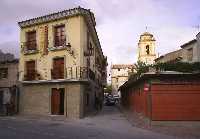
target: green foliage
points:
(178, 66)
(141, 67)
(108, 89)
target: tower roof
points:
(147, 34)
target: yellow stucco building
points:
(62, 67)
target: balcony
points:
(57, 73)
(60, 45)
(73, 73)
(30, 76)
(79, 73)
(67, 74)
(29, 47)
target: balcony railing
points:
(30, 76)
(57, 73)
(60, 46)
(79, 73)
(70, 73)
(61, 42)
(29, 47)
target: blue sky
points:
(119, 23)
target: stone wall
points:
(12, 74)
(36, 99)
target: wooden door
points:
(30, 69)
(55, 101)
(58, 68)
(31, 40)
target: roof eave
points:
(57, 16)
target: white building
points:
(119, 75)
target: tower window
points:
(147, 49)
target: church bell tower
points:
(146, 48)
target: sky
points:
(119, 23)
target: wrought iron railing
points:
(60, 42)
(57, 73)
(79, 73)
(69, 73)
(29, 47)
(30, 76)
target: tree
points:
(108, 89)
(141, 67)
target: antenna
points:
(146, 28)
(197, 27)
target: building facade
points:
(62, 67)
(147, 48)
(119, 75)
(9, 89)
(189, 52)
(6, 56)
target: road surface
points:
(108, 124)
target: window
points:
(31, 40)
(116, 79)
(59, 36)
(91, 49)
(30, 70)
(118, 69)
(88, 62)
(190, 54)
(147, 49)
(87, 99)
(3, 73)
(58, 68)
(88, 39)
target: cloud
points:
(122, 23)
(25, 9)
(119, 23)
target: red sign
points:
(146, 87)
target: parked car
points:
(109, 100)
(117, 98)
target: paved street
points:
(108, 124)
